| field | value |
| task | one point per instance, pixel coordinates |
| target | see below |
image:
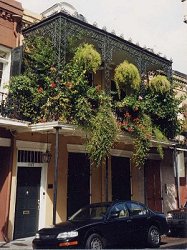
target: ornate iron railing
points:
(61, 26)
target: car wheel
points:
(153, 237)
(94, 241)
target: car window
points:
(120, 210)
(136, 209)
(90, 212)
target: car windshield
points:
(94, 212)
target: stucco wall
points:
(168, 182)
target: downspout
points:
(176, 169)
(106, 179)
(55, 174)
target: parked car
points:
(177, 220)
(101, 225)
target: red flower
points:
(69, 85)
(130, 129)
(125, 123)
(53, 85)
(136, 119)
(40, 89)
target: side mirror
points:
(114, 215)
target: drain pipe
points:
(176, 169)
(106, 178)
(55, 175)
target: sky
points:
(156, 24)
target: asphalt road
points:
(178, 242)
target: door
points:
(78, 190)
(27, 202)
(121, 185)
(153, 185)
(139, 220)
(120, 220)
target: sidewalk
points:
(24, 243)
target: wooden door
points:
(153, 185)
(27, 202)
(121, 185)
(78, 191)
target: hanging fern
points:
(87, 57)
(127, 77)
(103, 135)
(159, 84)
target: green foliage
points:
(160, 137)
(21, 102)
(159, 84)
(87, 57)
(143, 132)
(127, 77)
(47, 92)
(164, 110)
(39, 58)
(134, 120)
(102, 136)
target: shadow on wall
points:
(170, 196)
(4, 230)
(5, 155)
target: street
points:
(178, 242)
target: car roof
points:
(114, 202)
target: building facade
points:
(34, 187)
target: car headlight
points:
(37, 236)
(67, 235)
(169, 216)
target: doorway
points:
(153, 185)
(27, 201)
(121, 184)
(78, 190)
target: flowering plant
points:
(48, 91)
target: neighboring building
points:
(11, 13)
(33, 180)
(12, 18)
(180, 80)
(185, 8)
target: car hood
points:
(179, 210)
(67, 226)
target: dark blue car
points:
(102, 225)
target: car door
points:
(119, 224)
(139, 217)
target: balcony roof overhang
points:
(12, 124)
(69, 130)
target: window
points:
(1, 71)
(121, 210)
(136, 209)
(4, 67)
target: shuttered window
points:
(29, 156)
(1, 72)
